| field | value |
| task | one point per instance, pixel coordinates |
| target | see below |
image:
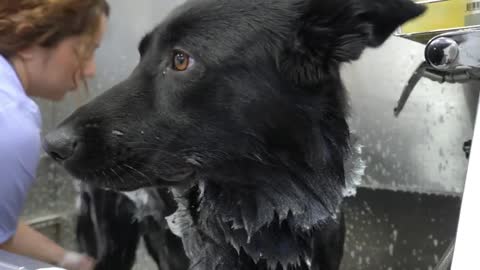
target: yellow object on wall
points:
(442, 16)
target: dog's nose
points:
(60, 144)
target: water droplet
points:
(378, 147)
(390, 249)
(117, 133)
(395, 235)
(441, 119)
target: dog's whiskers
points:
(119, 177)
(118, 167)
(149, 180)
(149, 167)
(153, 169)
(155, 145)
(196, 263)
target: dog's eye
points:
(181, 61)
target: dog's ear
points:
(334, 31)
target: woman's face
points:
(52, 72)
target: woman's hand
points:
(76, 261)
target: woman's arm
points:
(30, 243)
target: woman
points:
(46, 49)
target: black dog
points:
(110, 225)
(238, 108)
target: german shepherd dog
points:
(237, 108)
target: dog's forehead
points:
(234, 9)
(227, 19)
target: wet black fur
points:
(252, 140)
(109, 228)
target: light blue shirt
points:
(20, 146)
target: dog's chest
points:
(211, 244)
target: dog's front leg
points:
(102, 223)
(328, 245)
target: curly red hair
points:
(25, 23)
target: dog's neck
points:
(245, 205)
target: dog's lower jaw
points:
(127, 182)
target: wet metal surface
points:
(389, 230)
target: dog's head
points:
(229, 82)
